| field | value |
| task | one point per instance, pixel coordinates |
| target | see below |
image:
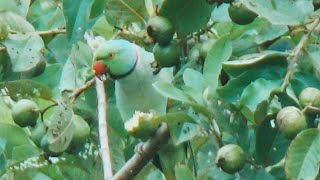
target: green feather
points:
(134, 92)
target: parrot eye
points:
(111, 55)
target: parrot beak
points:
(99, 69)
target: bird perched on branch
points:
(130, 66)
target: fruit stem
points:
(294, 56)
(45, 109)
(311, 109)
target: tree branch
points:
(295, 54)
(103, 132)
(149, 149)
(102, 116)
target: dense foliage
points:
(244, 101)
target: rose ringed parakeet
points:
(130, 66)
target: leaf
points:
(184, 132)
(255, 99)
(15, 22)
(25, 51)
(77, 69)
(236, 67)
(302, 80)
(150, 172)
(302, 159)
(168, 90)
(61, 53)
(194, 79)
(46, 15)
(232, 91)
(60, 127)
(314, 52)
(77, 16)
(17, 138)
(26, 88)
(122, 12)
(50, 78)
(20, 7)
(186, 16)
(219, 53)
(183, 172)
(270, 33)
(284, 12)
(103, 28)
(271, 145)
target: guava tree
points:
(159, 89)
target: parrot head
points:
(115, 57)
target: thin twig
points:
(103, 132)
(149, 149)
(102, 117)
(294, 57)
(78, 91)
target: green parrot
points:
(130, 66)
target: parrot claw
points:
(139, 148)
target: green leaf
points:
(271, 145)
(60, 127)
(20, 7)
(184, 132)
(219, 53)
(168, 90)
(77, 69)
(150, 172)
(46, 15)
(61, 53)
(16, 138)
(26, 88)
(270, 33)
(122, 12)
(25, 51)
(284, 12)
(255, 99)
(250, 61)
(302, 80)
(232, 91)
(183, 172)
(77, 16)
(302, 159)
(103, 28)
(194, 79)
(15, 22)
(187, 16)
(51, 78)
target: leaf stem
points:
(293, 57)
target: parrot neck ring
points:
(119, 76)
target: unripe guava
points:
(25, 113)
(81, 129)
(291, 121)
(168, 55)
(160, 29)
(240, 14)
(38, 132)
(309, 96)
(231, 158)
